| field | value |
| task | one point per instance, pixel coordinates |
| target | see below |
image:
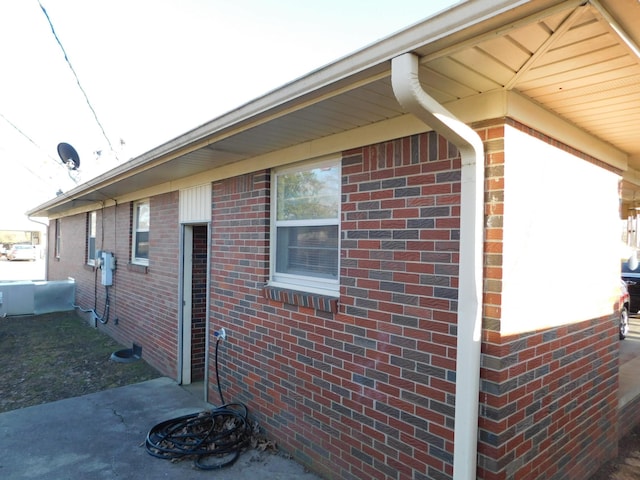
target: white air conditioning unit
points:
(17, 298)
(35, 298)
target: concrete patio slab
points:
(101, 436)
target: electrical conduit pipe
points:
(411, 96)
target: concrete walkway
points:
(101, 436)
(629, 381)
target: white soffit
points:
(572, 63)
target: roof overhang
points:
(567, 66)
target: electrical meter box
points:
(107, 264)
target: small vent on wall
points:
(195, 204)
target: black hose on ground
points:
(214, 439)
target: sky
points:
(147, 71)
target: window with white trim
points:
(91, 237)
(305, 226)
(140, 237)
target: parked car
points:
(22, 252)
(624, 310)
(632, 279)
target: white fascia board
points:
(502, 103)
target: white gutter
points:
(411, 96)
(615, 26)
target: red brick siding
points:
(198, 302)
(367, 392)
(548, 398)
(72, 262)
(145, 300)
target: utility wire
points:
(17, 129)
(95, 116)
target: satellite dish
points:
(69, 156)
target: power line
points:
(66, 58)
(17, 129)
(24, 165)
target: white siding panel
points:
(195, 204)
(538, 244)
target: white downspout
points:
(411, 96)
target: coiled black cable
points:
(214, 439)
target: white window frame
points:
(58, 241)
(138, 229)
(92, 228)
(310, 284)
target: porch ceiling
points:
(576, 59)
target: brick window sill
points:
(136, 268)
(323, 303)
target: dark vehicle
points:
(624, 310)
(632, 279)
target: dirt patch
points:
(55, 356)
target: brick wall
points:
(198, 302)
(144, 300)
(548, 398)
(367, 392)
